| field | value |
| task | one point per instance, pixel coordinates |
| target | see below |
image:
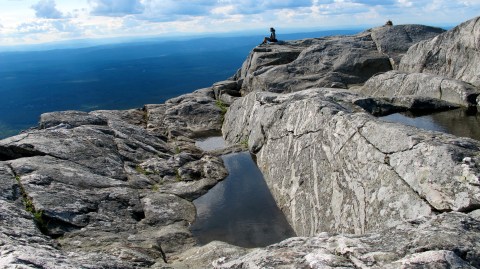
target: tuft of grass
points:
(140, 170)
(244, 143)
(177, 150)
(155, 187)
(177, 175)
(30, 207)
(223, 108)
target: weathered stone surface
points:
(326, 62)
(22, 245)
(202, 257)
(394, 83)
(352, 172)
(192, 115)
(449, 240)
(72, 118)
(453, 54)
(396, 40)
(106, 191)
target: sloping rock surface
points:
(104, 189)
(453, 54)
(394, 83)
(396, 40)
(336, 61)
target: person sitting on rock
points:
(272, 38)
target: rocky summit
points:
(114, 189)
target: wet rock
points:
(380, 106)
(394, 83)
(453, 54)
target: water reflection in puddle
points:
(456, 122)
(240, 210)
(211, 143)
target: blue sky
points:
(38, 21)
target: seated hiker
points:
(272, 38)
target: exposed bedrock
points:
(395, 84)
(335, 61)
(453, 54)
(106, 189)
(332, 168)
(450, 240)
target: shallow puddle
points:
(211, 143)
(240, 210)
(457, 122)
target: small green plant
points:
(177, 150)
(155, 187)
(178, 177)
(244, 143)
(223, 108)
(30, 207)
(141, 170)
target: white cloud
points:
(47, 9)
(116, 8)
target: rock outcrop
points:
(352, 172)
(395, 41)
(453, 54)
(395, 84)
(449, 240)
(337, 61)
(114, 189)
(406, 193)
(104, 191)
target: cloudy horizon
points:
(39, 21)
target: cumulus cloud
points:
(47, 9)
(116, 8)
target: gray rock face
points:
(336, 62)
(453, 54)
(394, 83)
(396, 40)
(192, 115)
(103, 189)
(352, 172)
(449, 240)
(326, 62)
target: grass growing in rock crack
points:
(141, 170)
(244, 143)
(178, 177)
(223, 108)
(30, 207)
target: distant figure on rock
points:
(272, 38)
(389, 23)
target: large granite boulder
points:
(453, 54)
(351, 172)
(396, 84)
